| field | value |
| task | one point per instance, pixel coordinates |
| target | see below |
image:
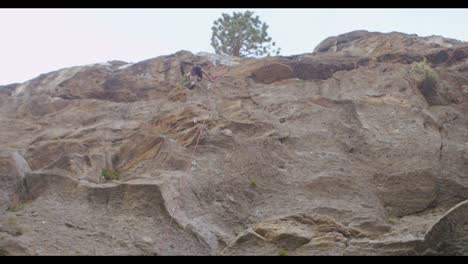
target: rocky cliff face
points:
(358, 148)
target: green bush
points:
(393, 220)
(14, 227)
(253, 182)
(11, 220)
(110, 174)
(29, 162)
(423, 72)
(465, 90)
(19, 206)
(282, 252)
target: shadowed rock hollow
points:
(348, 150)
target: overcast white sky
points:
(37, 41)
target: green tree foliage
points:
(241, 35)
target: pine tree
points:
(241, 35)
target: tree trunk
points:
(236, 52)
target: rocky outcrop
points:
(12, 171)
(332, 43)
(349, 150)
(8, 89)
(449, 235)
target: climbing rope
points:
(201, 129)
(192, 163)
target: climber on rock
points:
(195, 75)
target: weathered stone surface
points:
(449, 235)
(13, 168)
(343, 151)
